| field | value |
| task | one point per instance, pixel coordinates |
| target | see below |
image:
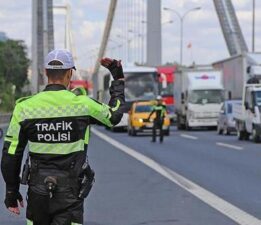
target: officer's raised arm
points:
(111, 114)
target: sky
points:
(201, 28)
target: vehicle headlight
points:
(138, 119)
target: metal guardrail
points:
(5, 118)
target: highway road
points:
(193, 178)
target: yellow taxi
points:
(138, 116)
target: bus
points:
(141, 83)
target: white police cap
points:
(61, 55)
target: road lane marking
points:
(236, 214)
(235, 147)
(189, 136)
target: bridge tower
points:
(42, 40)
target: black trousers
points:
(157, 124)
(63, 209)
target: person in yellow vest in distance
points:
(160, 110)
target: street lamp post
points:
(181, 17)
(253, 26)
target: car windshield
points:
(206, 96)
(143, 108)
(140, 86)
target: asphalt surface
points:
(127, 192)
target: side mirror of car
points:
(222, 111)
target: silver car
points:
(226, 123)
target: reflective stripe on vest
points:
(59, 148)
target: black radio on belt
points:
(87, 181)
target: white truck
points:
(242, 74)
(198, 94)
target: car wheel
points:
(225, 131)
(179, 125)
(133, 132)
(129, 131)
(187, 126)
(247, 136)
(240, 134)
(166, 132)
(256, 137)
(219, 130)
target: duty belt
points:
(38, 179)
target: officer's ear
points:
(67, 78)
(69, 74)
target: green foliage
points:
(6, 96)
(13, 72)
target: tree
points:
(6, 96)
(14, 63)
(13, 71)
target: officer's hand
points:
(114, 66)
(11, 201)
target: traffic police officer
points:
(55, 124)
(160, 110)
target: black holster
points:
(87, 181)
